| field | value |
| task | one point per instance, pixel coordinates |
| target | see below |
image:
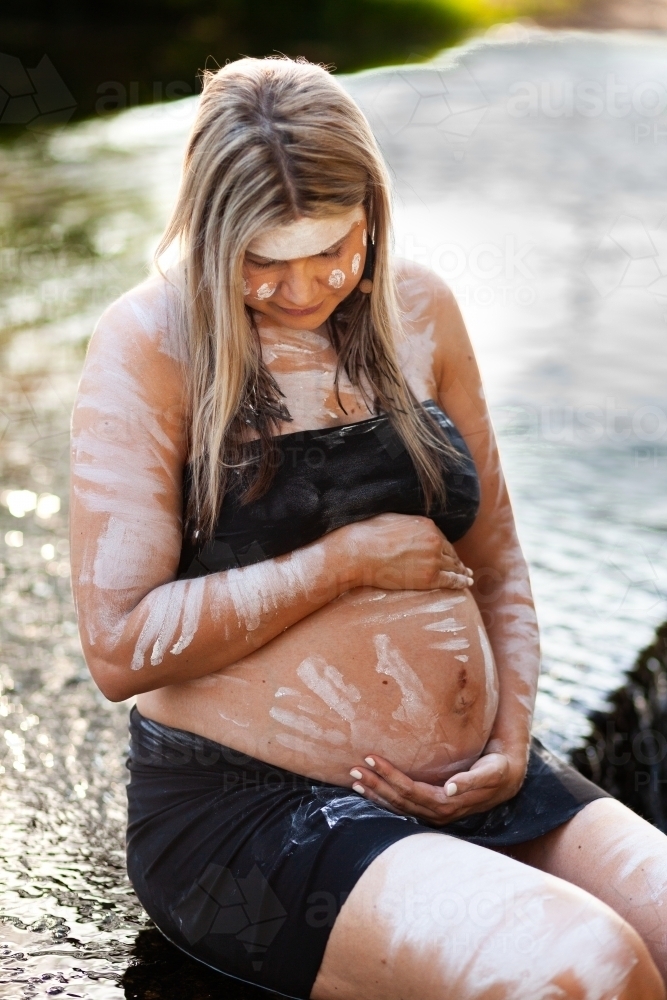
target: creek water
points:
(529, 170)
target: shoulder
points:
(134, 364)
(146, 318)
(433, 334)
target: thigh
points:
(617, 856)
(436, 918)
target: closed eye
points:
(265, 263)
(331, 253)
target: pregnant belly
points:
(408, 675)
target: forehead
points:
(305, 237)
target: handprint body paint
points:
(366, 674)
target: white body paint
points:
(337, 278)
(118, 473)
(416, 708)
(257, 589)
(266, 290)
(491, 704)
(356, 262)
(492, 934)
(306, 237)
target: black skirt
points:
(245, 866)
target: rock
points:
(626, 754)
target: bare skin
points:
(337, 654)
(434, 918)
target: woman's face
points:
(297, 274)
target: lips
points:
(300, 312)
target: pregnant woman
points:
(293, 544)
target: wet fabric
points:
(327, 478)
(245, 866)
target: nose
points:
(299, 286)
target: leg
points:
(614, 854)
(435, 918)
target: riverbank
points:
(608, 15)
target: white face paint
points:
(306, 237)
(364, 238)
(266, 290)
(246, 286)
(337, 278)
(356, 262)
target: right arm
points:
(140, 628)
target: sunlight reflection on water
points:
(549, 227)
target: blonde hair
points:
(276, 139)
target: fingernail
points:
(471, 580)
(358, 788)
(451, 788)
(369, 761)
(356, 773)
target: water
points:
(549, 226)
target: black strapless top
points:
(328, 478)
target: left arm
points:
(502, 591)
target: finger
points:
(398, 794)
(485, 773)
(376, 765)
(453, 564)
(377, 788)
(369, 793)
(453, 581)
(417, 798)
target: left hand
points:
(494, 778)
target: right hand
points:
(404, 552)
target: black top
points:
(328, 478)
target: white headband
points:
(305, 237)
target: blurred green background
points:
(126, 52)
